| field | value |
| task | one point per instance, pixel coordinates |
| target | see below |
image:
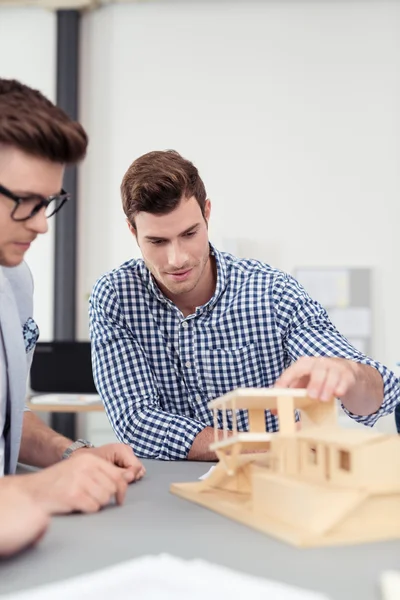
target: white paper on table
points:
(352, 322)
(165, 577)
(390, 582)
(70, 399)
(329, 287)
(210, 470)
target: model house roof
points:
(263, 398)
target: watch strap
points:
(75, 446)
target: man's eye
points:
(190, 234)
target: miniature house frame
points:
(312, 485)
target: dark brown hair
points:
(33, 124)
(156, 182)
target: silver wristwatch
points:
(75, 446)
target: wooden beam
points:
(52, 4)
(64, 4)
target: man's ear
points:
(132, 229)
(207, 210)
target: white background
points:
(28, 53)
(290, 110)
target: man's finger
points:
(141, 473)
(129, 475)
(122, 486)
(86, 503)
(124, 457)
(110, 469)
(293, 374)
(104, 482)
(316, 384)
(344, 384)
(330, 385)
(41, 532)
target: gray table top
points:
(153, 521)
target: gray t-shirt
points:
(3, 401)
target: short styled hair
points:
(33, 124)
(156, 182)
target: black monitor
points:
(62, 368)
(397, 417)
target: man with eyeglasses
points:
(37, 140)
(27, 207)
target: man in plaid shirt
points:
(189, 323)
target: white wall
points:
(289, 109)
(28, 53)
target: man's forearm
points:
(40, 445)
(200, 449)
(366, 396)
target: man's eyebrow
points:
(30, 194)
(26, 193)
(189, 229)
(156, 238)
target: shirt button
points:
(184, 324)
(198, 398)
(187, 364)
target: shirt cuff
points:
(178, 440)
(391, 396)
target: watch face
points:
(83, 444)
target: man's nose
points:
(38, 223)
(177, 256)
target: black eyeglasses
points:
(28, 206)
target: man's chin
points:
(11, 261)
(177, 289)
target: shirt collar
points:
(222, 276)
(154, 289)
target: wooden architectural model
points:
(312, 485)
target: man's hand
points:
(118, 454)
(323, 377)
(200, 449)
(83, 483)
(22, 521)
(359, 387)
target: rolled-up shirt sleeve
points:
(307, 330)
(128, 387)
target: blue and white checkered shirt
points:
(156, 370)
